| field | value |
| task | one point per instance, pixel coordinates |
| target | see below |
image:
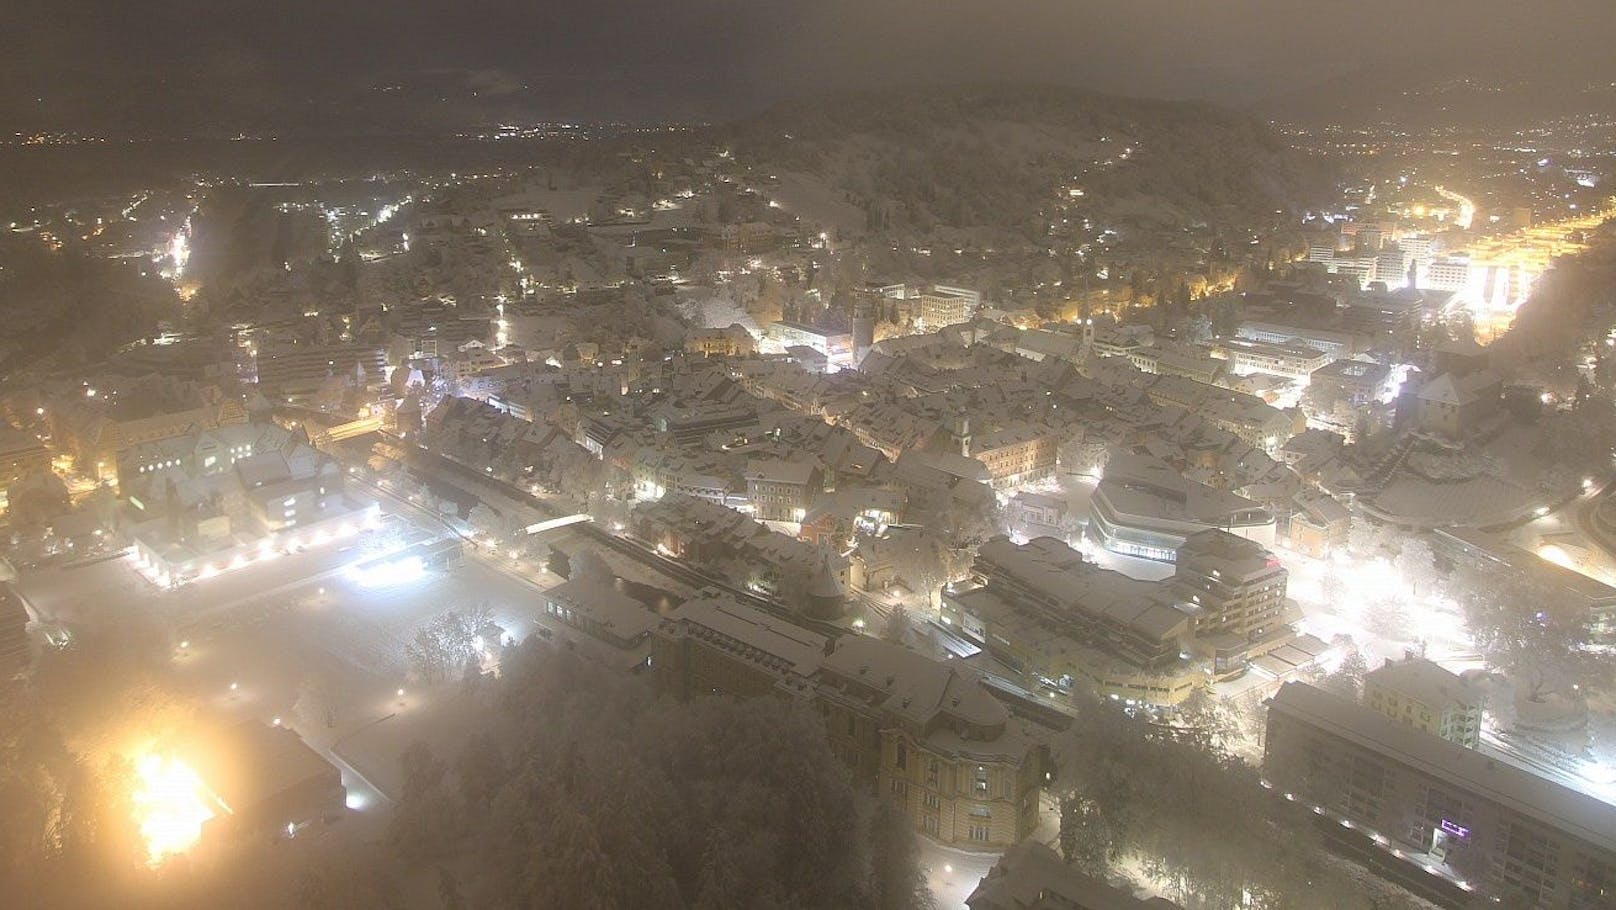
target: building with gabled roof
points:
(927, 732)
(1031, 876)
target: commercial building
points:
(1359, 382)
(1335, 344)
(1031, 876)
(925, 731)
(1144, 508)
(1450, 273)
(836, 345)
(1235, 591)
(1045, 612)
(944, 306)
(1499, 829)
(1289, 359)
(1418, 692)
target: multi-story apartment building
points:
(1499, 829)
(1449, 273)
(297, 372)
(1418, 692)
(1016, 455)
(1235, 590)
(782, 490)
(943, 306)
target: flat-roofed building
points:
(1063, 654)
(944, 306)
(1483, 549)
(1499, 828)
(1422, 694)
(1290, 359)
(298, 372)
(1336, 344)
(1043, 610)
(1142, 507)
(836, 345)
(1235, 590)
(1360, 382)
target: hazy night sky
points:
(178, 64)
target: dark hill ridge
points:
(999, 156)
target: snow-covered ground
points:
(816, 203)
(1370, 600)
(953, 874)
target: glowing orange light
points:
(171, 805)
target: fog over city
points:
(244, 65)
(907, 455)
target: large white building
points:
(1290, 359)
(943, 306)
(1144, 508)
